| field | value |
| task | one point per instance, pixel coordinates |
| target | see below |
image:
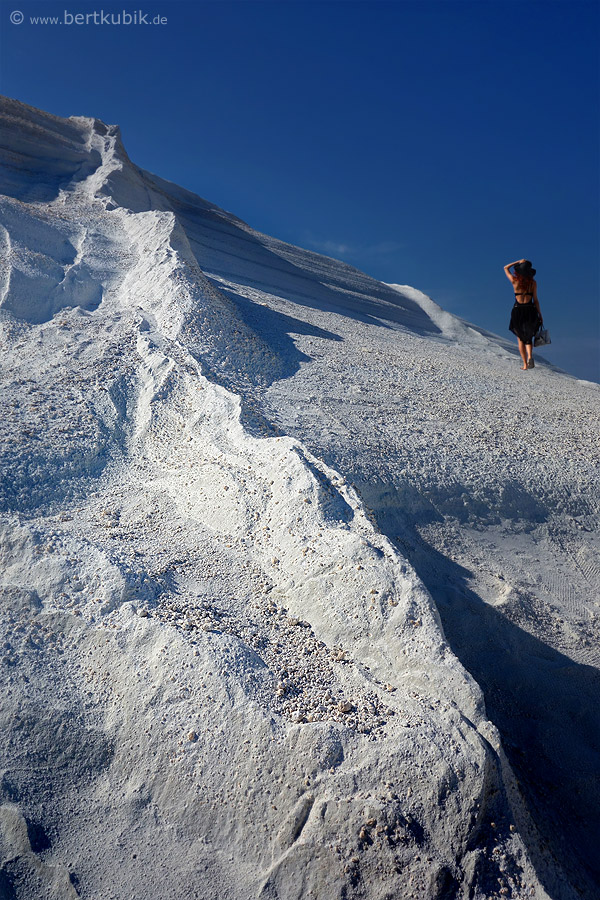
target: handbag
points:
(542, 337)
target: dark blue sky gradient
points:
(427, 143)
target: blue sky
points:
(427, 143)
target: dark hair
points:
(525, 269)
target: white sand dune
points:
(299, 571)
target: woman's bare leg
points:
(523, 352)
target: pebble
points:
(288, 646)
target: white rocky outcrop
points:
(225, 672)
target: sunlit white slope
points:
(222, 679)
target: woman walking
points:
(526, 315)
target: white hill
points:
(299, 571)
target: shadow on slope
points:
(275, 329)
(544, 705)
(224, 245)
(41, 153)
(242, 345)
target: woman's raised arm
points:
(508, 266)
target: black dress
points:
(524, 321)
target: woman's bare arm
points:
(508, 266)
